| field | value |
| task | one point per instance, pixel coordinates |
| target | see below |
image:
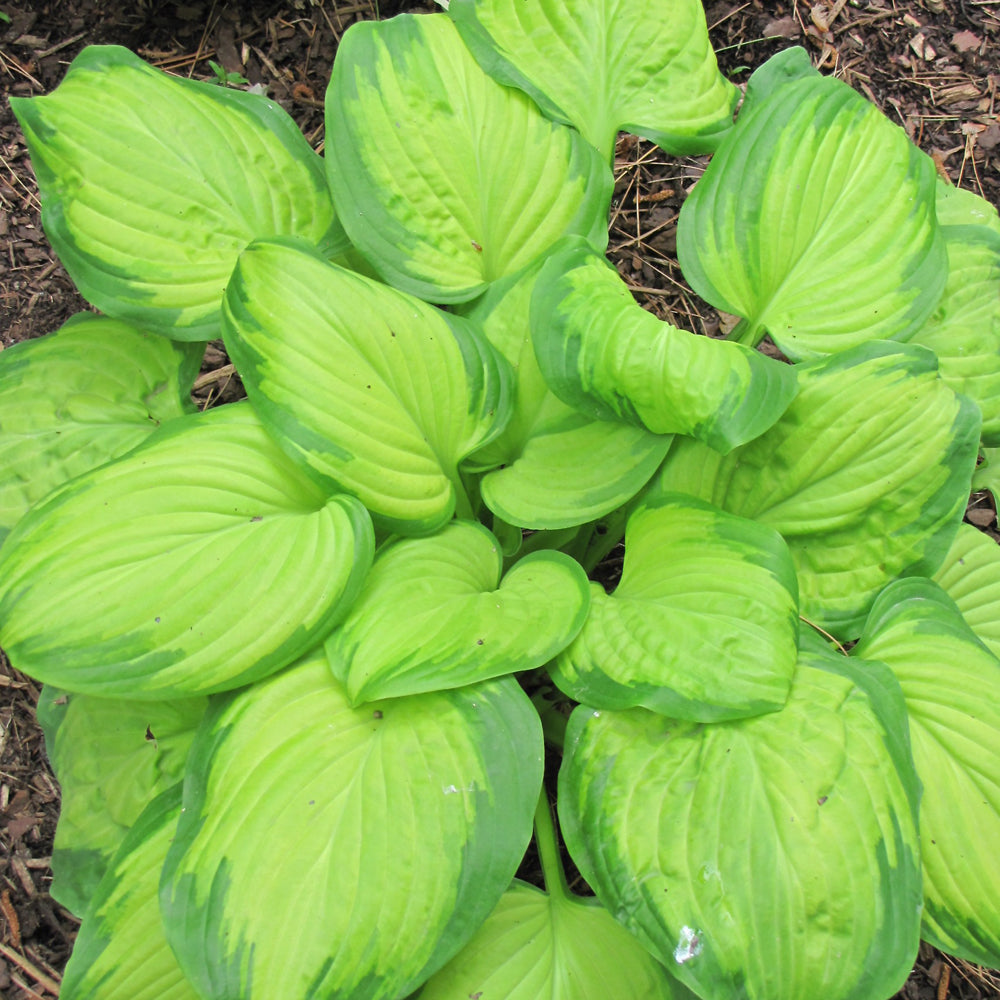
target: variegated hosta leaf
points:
(601, 352)
(112, 756)
(346, 853)
(558, 947)
(152, 185)
(434, 615)
(78, 398)
(964, 331)
(606, 66)
(200, 561)
(121, 952)
(398, 392)
(866, 476)
(815, 219)
(553, 466)
(771, 858)
(970, 575)
(573, 469)
(951, 683)
(443, 178)
(704, 624)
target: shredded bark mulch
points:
(931, 65)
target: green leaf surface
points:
(434, 614)
(703, 625)
(151, 186)
(602, 353)
(964, 331)
(121, 952)
(970, 576)
(573, 469)
(346, 853)
(111, 756)
(553, 466)
(771, 858)
(810, 188)
(561, 948)
(960, 207)
(607, 66)
(866, 476)
(400, 392)
(79, 397)
(178, 569)
(951, 683)
(443, 178)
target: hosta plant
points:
(303, 653)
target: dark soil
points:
(930, 65)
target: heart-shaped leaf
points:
(405, 105)
(970, 575)
(434, 614)
(601, 352)
(558, 947)
(112, 757)
(866, 476)
(399, 825)
(774, 857)
(553, 466)
(810, 187)
(703, 625)
(79, 397)
(605, 67)
(177, 569)
(951, 683)
(402, 391)
(152, 185)
(121, 952)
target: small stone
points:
(981, 517)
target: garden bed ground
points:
(933, 66)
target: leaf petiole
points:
(547, 843)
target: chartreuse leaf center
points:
(812, 185)
(703, 625)
(152, 185)
(287, 781)
(601, 352)
(444, 179)
(434, 614)
(718, 845)
(176, 570)
(606, 67)
(842, 479)
(401, 392)
(553, 466)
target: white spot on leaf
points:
(453, 790)
(688, 945)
